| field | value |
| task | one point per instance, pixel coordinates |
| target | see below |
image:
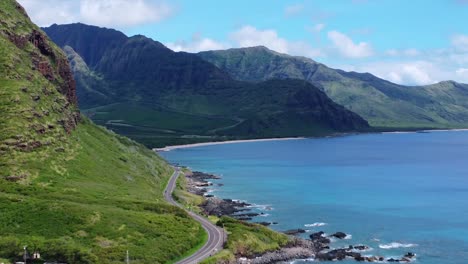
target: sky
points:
(407, 42)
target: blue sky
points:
(408, 42)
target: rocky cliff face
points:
(38, 101)
(50, 62)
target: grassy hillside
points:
(382, 103)
(140, 88)
(74, 191)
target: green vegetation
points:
(107, 200)
(247, 240)
(382, 103)
(155, 125)
(74, 191)
(141, 89)
(182, 196)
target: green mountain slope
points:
(380, 102)
(140, 88)
(75, 192)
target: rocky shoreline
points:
(317, 247)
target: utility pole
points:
(127, 259)
(25, 254)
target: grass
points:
(107, 200)
(157, 126)
(246, 240)
(189, 200)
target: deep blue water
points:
(408, 188)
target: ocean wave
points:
(264, 207)
(348, 237)
(264, 215)
(315, 224)
(396, 245)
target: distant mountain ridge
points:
(140, 88)
(382, 103)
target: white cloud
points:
(47, 12)
(405, 52)
(123, 12)
(411, 72)
(197, 44)
(293, 10)
(411, 52)
(110, 13)
(462, 72)
(460, 42)
(347, 47)
(417, 72)
(318, 27)
(249, 36)
(392, 52)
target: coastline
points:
(173, 147)
(316, 246)
(169, 148)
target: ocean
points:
(394, 192)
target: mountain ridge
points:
(379, 101)
(150, 80)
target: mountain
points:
(382, 103)
(138, 87)
(74, 191)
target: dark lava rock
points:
(336, 254)
(410, 255)
(216, 206)
(294, 232)
(197, 175)
(339, 235)
(361, 247)
(264, 223)
(246, 215)
(317, 235)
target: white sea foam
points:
(348, 237)
(315, 224)
(363, 250)
(396, 245)
(264, 207)
(264, 215)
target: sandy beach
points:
(169, 148)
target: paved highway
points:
(216, 235)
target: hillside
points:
(74, 191)
(140, 88)
(382, 103)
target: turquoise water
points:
(386, 190)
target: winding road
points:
(216, 235)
